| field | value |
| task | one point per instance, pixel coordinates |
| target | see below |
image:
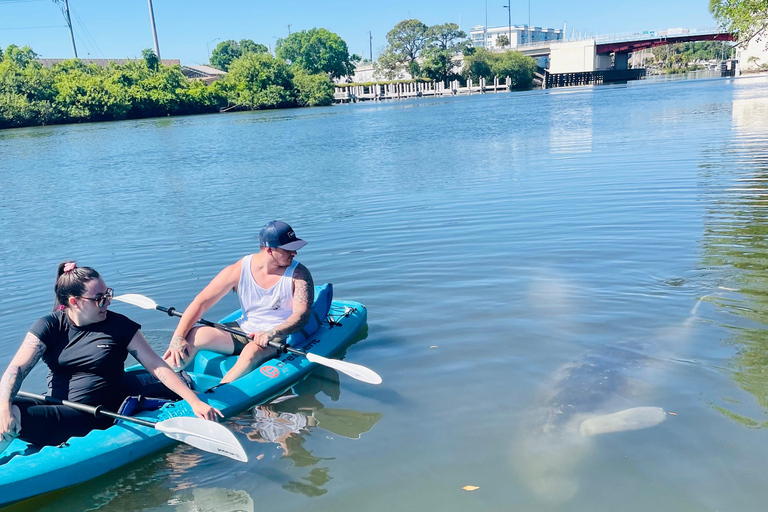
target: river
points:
(501, 242)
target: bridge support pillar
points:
(621, 61)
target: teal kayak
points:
(27, 471)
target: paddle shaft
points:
(282, 347)
(96, 411)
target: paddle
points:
(355, 371)
(203, 434)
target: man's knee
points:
(252, 352)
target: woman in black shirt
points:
(85, 347)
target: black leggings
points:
(47, 425)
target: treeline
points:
(681, 57)
(72, 91)
(433, 52)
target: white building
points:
(754, 55)
(521, 34)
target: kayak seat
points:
(135, 404)
(212, 363)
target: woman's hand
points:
(177, 353)
(10, 424)
(205, 411)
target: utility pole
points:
(65, 12)
(508, 7)
(370, 44)
(485, 28)
(289, 29)
(529, 21)
(154, 30)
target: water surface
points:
(495, 239)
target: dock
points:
(413, 89)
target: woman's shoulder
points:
(54, 321)
(114, 318)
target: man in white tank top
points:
(276, 295)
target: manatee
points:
(600, 393)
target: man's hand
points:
(177, 353)
(262, 338)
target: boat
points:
(27, 470)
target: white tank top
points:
(264, 309)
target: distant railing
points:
(625, 36)
(656, 34)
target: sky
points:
(189, 29)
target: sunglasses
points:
(102, 298)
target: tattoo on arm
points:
(177, 342)
(304, 294)
(15, 374)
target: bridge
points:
(594, 53)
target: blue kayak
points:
(27, 471)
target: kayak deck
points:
(27, 470)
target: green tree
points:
(444, 43)
(229, 50)
(502, 40)
(485, 64)
(404, 45)
(478, 65)
(26, 89)
(317, 50)
(258, 80)
(746, 19)
(518, 67)
(248, 46)
(150, 59)
(22, 57)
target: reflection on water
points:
(570, 132)
(215, 499)
(737, 241)
(288, 420)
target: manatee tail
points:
(629, 419)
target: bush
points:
(258, 80)
(312, 90)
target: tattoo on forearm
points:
(15, 374)
(177, 343)
(135, 354)
(10, 383)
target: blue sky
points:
(186, 28)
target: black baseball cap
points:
(278, 234)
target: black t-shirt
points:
(86, 363)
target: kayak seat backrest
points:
(217, 365)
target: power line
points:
(87, 33)
(32, 28)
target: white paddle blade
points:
(4, 443)
(355, 371)
(137, 300)
(205, 435)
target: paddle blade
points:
(137, 300)
(355, 371)
(205, 435)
